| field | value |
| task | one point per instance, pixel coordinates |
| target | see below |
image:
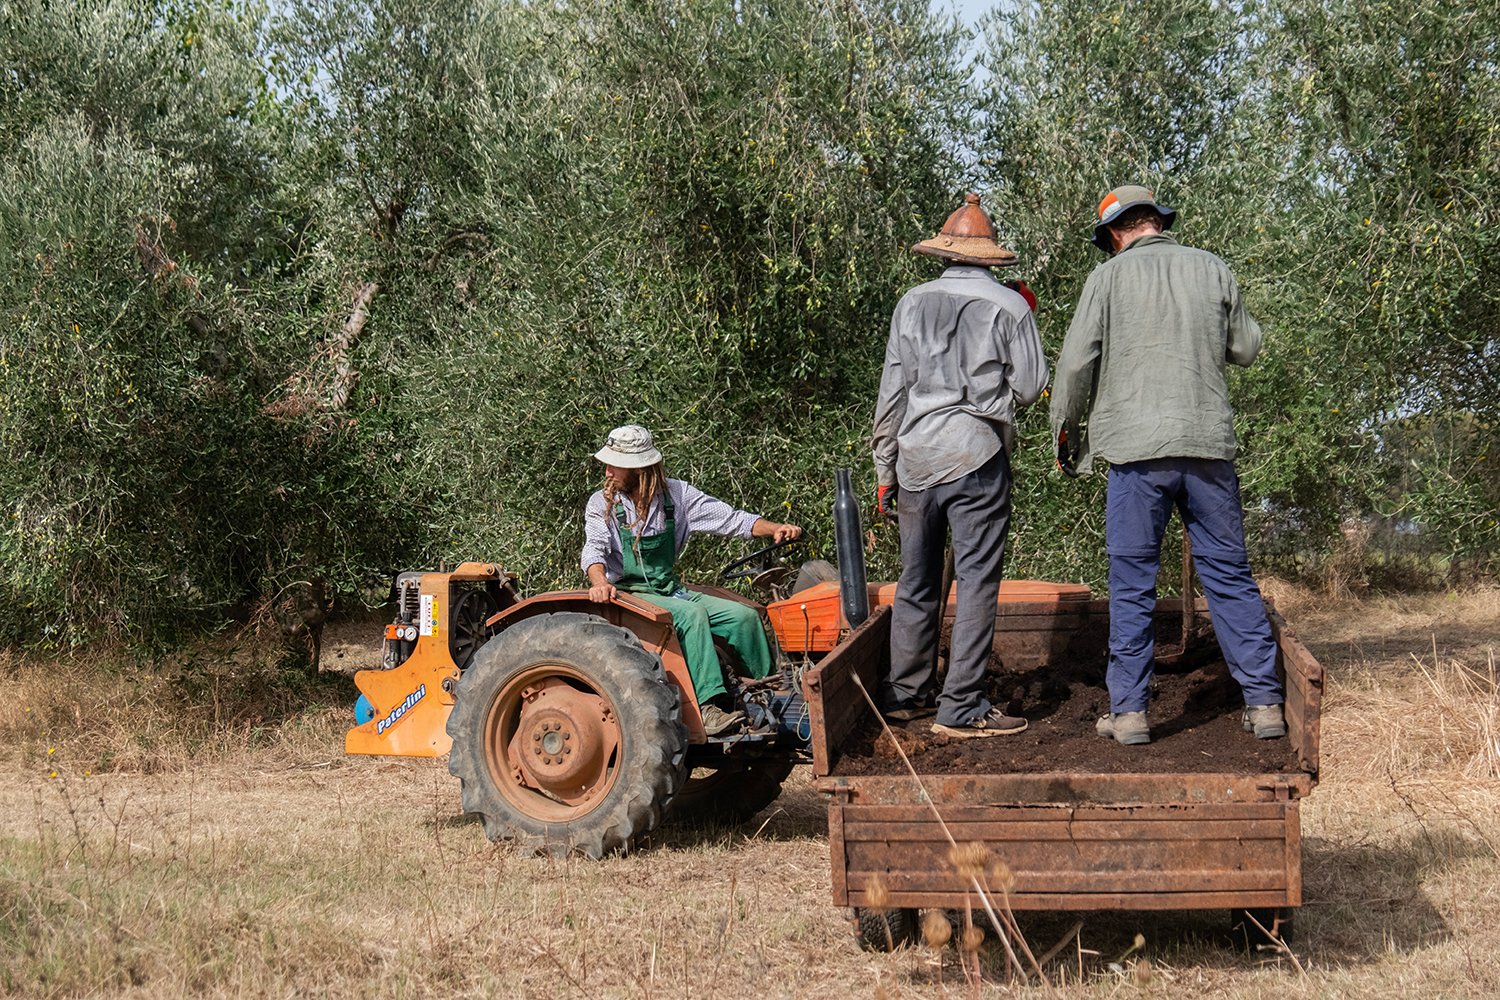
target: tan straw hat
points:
(629, 447)
(968, 237)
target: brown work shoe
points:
(992, 723)
(717, 722)
(910, 712)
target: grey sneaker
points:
(1129, 728)
(992, 723)
(717, 722)
(1266, 721)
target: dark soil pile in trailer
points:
(1195, 725)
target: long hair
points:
(650, 483)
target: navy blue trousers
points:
(977, 508)
(1206, 492)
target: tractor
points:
(573, 726)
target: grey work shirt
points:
(1144, 359)
(692, 510)
(962, 355)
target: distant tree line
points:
(294, 295)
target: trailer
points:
(1071, 841)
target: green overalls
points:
(650, 574)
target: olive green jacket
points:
(1142, 369)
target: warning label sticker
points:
(428, 621)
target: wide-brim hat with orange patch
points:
(1121, 200)
(968, 237)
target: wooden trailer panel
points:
(1218, 840)
(1069, 841)
(835, 705)
(1303, 675)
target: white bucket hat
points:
(629, 447)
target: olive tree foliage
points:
(1336, 155)
(149, 240)
(297, 294)
(1397, 112)
(687, 215)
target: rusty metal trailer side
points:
(1067, 841)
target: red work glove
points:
(1025, 292)
(885, 501)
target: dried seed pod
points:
(876, 894)
(973, 938)
(936, 931)
(1001, 876)
(969, 859)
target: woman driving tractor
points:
(633, 530)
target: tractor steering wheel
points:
(758, 564)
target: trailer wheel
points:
(886, 930)
(567, 736)
(729, 795)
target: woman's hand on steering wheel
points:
(786, 533)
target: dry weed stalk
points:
(877, 894)
(1006, 929)
(1277, 943)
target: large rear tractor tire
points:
(729, 795)
(567, 736)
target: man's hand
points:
(885, 500)
(1026, 293)
(1067, 452)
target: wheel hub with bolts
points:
(564, 741)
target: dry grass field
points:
(187, 828)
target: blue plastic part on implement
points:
(363, 711)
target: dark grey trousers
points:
(977, 509)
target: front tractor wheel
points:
(567, 736)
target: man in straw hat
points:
(1141, 385)
(635, 527)
(963, 355)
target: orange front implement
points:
(412, 701)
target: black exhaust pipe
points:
(853, 593)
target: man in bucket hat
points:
(1141, 386)
(635, 527)
(963, 355)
